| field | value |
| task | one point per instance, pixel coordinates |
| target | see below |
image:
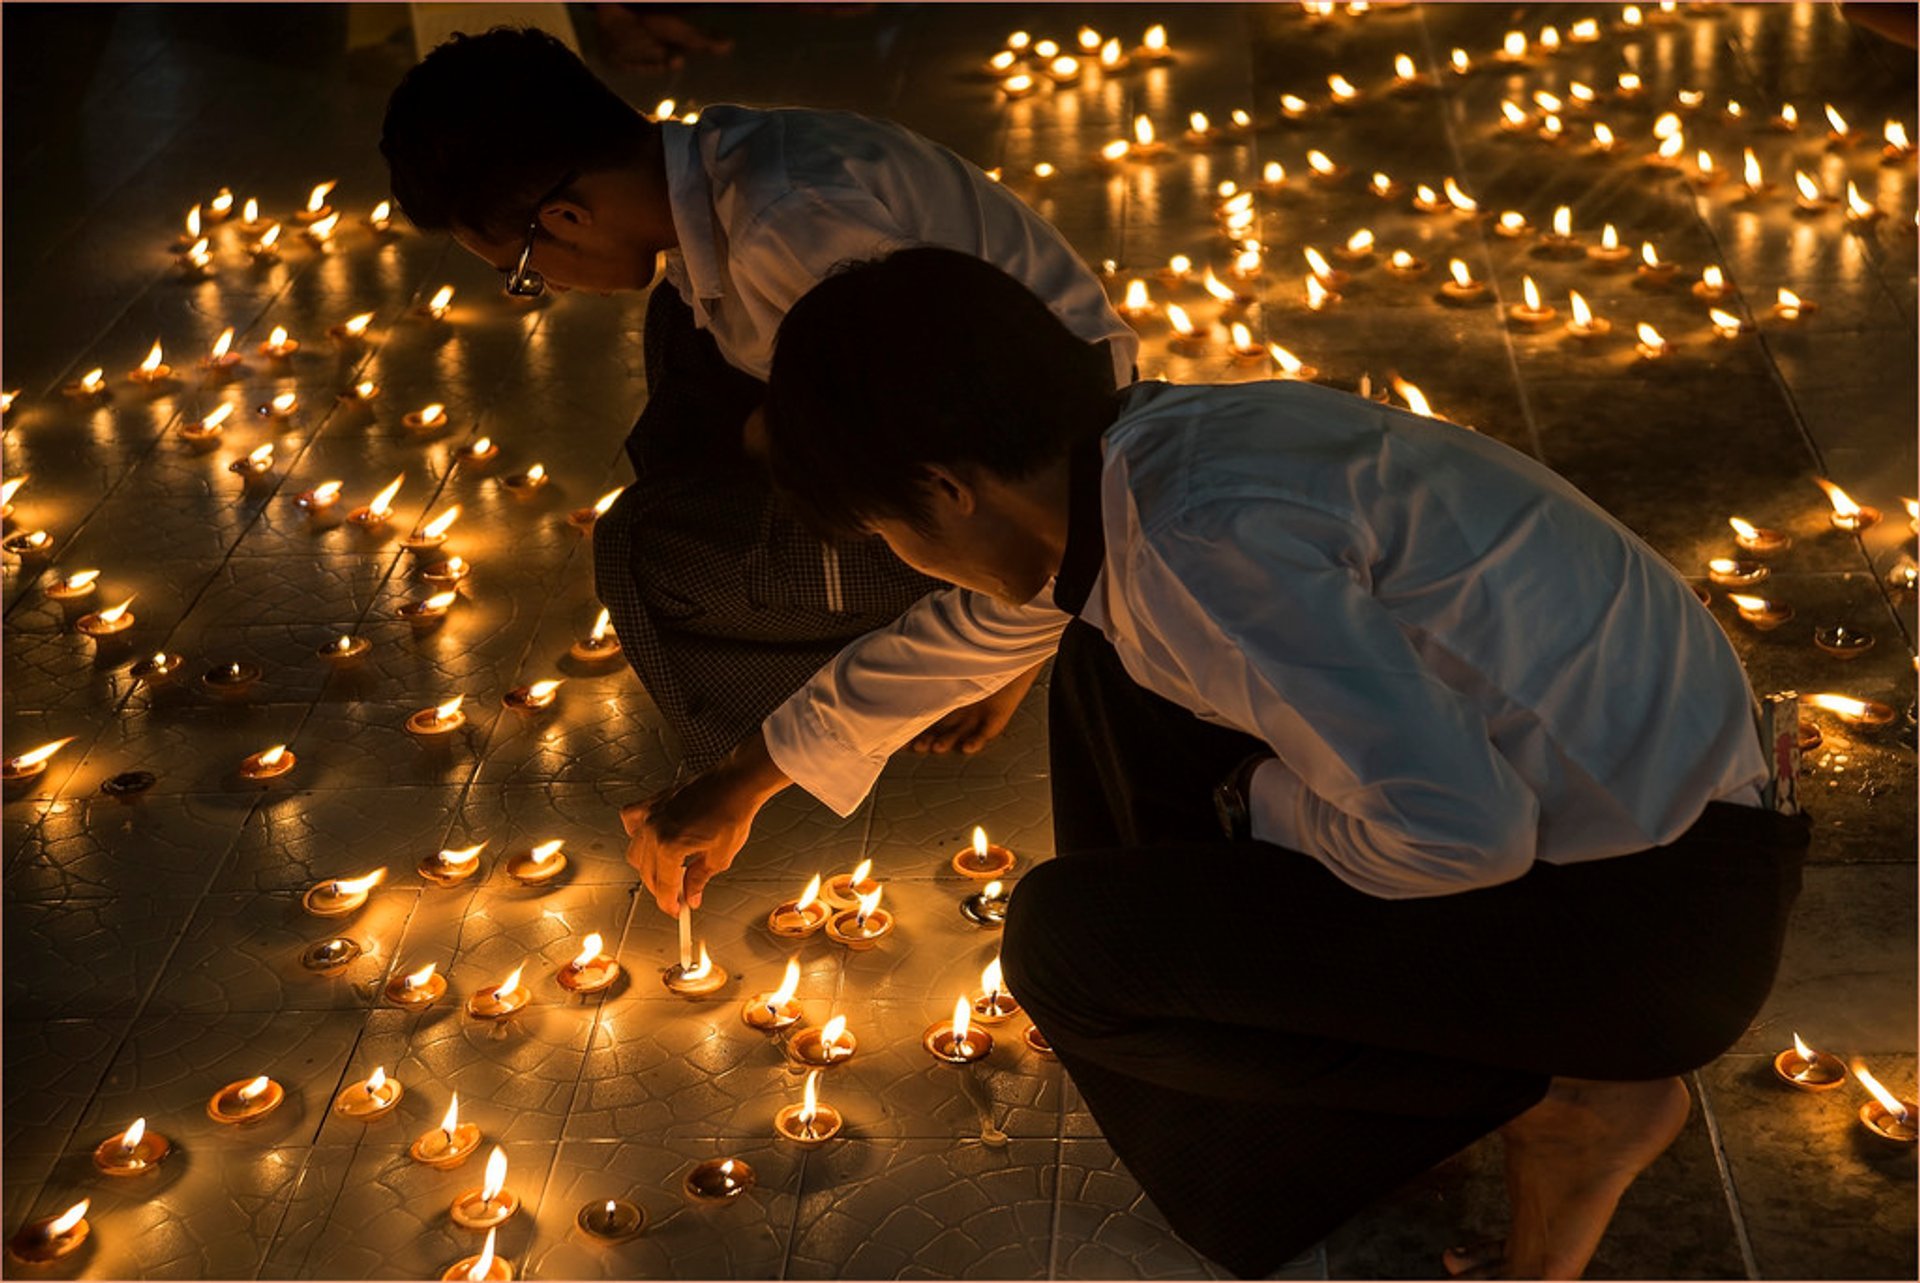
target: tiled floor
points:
(151, 944)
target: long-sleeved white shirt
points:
(1462, 664)
(767, 203)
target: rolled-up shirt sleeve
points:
(953, 647)
(1384, 773)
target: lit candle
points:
(1627, 86)
(798, 919)
(345, 650)
(1018, 85)
(1513, 117)
(830, 1044)
(450, 1144)
(1221, 293)
(486, 1267)
(1653, 270)
(1705, 172)
(1603, 139)
(1404, 265)
(28, 543)
(1847, 515)
(809, 1122)
(158, 668)
(380, 508)
(1712, 285)
(317, 207)
(448, 867)
(1459, 63)
(1609, 253)
(447, 572)
(433, 533)
(982, 859)
(955, 1041)
(1651, 346)
(380, 217)
(1838, 134)
(341, 896)
(192, 229)
(152, 370)
(1560, 239)
(769, 1012)
(1511, 225)
(1809, 198)
(197, 259)
(281, 406)
(220, 206)
(1789, 306)
(74, 587)
(1323, 167)
(693, 977)
(1898, 145)
(417, 990)
(590, 970)
(1358, 247)
(994, 1005)
(428, 417)
(499, 1001)
(1758, 611)
(844, 890)
(1178, 268)
(535, 697)
(108, 622)
(583, 518)
(1531, 311)
(246, 1101)
(1584, 32)
(1273, 175)
(1513, 47)
(267, 248)
(1153, 47)
(52, 1238)
(987, 907)
(1725, 324)
(1841, 641)
(1757, 539)
(437, 306)
(352, 329)
(1886, 1115)
(442, 719)
(1406, 75)
(718, 1180)
(1341, 90)
(1294, 107)
(1860, 211)
(1112, 56)
(538, 865)
(1145, 145)
(278, 345)
(133, 1152)
(1318, 297)
(372, 1098)
(89, 386)
(1736, 574)
(490, 1205)
(1857, 712)
(613, 1221)
(321, 497)
(863, 926)
(9, 488)
(1186, 340)
(1458, 199)
(1462, 287)
(1064, 70)
(599, 644)
(1750, 176)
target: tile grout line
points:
(1722, 1165)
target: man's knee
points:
(1038, 953)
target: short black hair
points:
(484, 126)
(926, 356)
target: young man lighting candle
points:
(1447, 765)
(721, 601)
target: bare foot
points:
(1569, 1159)
(970, 729)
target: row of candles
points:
(318, 222)
(962, 1039)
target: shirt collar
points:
(1086, 549)
(690, 195)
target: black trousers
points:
(1268, 1050)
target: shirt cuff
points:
(1273, 805)
(803, 745)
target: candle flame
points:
(496, 1175)
(860, 872)
(1844, 705)
(1896, 136)
(442, 298)
(1514, 45)
(419, 979)
(365, 389)
(1143, 131)
(547, 850)
(1197, 121)
(1002, 60)
(1843, 506)
(1648, 254)
(1712, 278)
(284, 403)
(1514, 221)
(193, 222)
(1461, 63)
(1115, 149)
(1751, 605)
(1742, 528)
(1136, 300)
(1179, 265)
(543, 688)
(1650, 337)
(451, 1119)
(1580, 92)
(1836, 121)
(1402, 260)
(703, 967)
(600, 626)
(1211, 284)
(605, 501)
(93, 380)
(152, 362)
(868, 903)
(466, 855)
(483, 1264)
(65, 1222)
(1703, 162)
(809, 895)
(810, 1098)
(1788, 300)
(1065, 67)
(1341, 87)
(1273, 173)
(1672, 146)
(1629, 82)
(1857, 206)
(356, 326)
(1888, 1101)
(327, 492)
(250, 212)
(1318, 161)
(383, 502)
(376, 1081)
(511, 983)
(1459, 199)
(1290, 366)
(80, 579)
(1241, 338)
(789, 985)
(831, 1031)
(1403, 67)
(991, 980)
(1156, 38)
(1177, 317)
(1111, 55)
(1462, 274)
(11, 487)
(1316, 293)
(438, 526)
(130, 1139)
(589, 950)
(317, 201)
(1317, 263)
(1724, 322)
(222, 345)
(1532, 293)
(261, 457)
(445, 712)
(1546, 101)
(962, 1022)
(1602, 135)
(322, 228)
(1416, 399)
(1808, 188)
(253, 1090)
(112, 613)
(1563, 221)
(344, 886)
(1361, 242)
(271, 757)
(1516, 117)
(382, 213)
(1292, 104)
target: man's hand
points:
(970, 729)
(683, 837)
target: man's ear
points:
(562, 216)
(950, 491)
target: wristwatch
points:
(1230, 799)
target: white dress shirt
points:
(1461, 663)
(767, 203)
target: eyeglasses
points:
(524, 281)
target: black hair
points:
(926, 356)
(485, 126)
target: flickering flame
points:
(1461, 63)
(1789, 305)
(79, 579)
(1857, 207)
(1212, 285)
(252, 1091)
(1582, 314)
(382, 213)
(1273, 173)
(605, 501)
(1416, 399)
(1402, 260)
(1290, 366)
(1514, 221)
(365, 389)
(808, 896)
(1241, 338)
(1532, 293)
(1514, 45)
(465, 855)
(1111, 55)
(93, 380)
(1666, 125)
(1750, 168)
(1316, 294)
(496, 1173)
(152, 362)
(860, 872)
(1155, 39)
(1750, 605)
(1712, 278)
(831, 1031)
(868, 903)
(1115, 149)
(419, 979)
(1649, 255)
(1018, 84)
(991, 982)
(789, 985)
(1888, 1101)
(376, 1081)
(1241, 118)
(1843, 506)
(1809, 189)
(589, 950)
(193, 222)
(65, 1222)
(1197, 121)
(536, 473)
(112, 613)
(1403, 68)
(1459, 199)
(1142, 131)
(317, 201)
(1462, 275)
(1913, 508)
(261, 458)
(1725, 324)
(1044, 169)
(130, 1139)
(1584, 30)
(511, 983)
(284, 403)
(1672, 147)
(1065, 67)
(1019, 40)
(1177, 317)
(382, 503)
(1581, 92)
(1341, 88)
(441, 300)
(216, 417)
(1896, 136)
(1002, 60)
(810, 1100)
(1602, 136)
(341, 886)
(1563, 221)
(1516, 116)
(356, 326)
(446, 712)
(962, 1022)
(322, 228)
(326, 492)
(1551, 127)
(438, 526)
(1703, 162)
(1836, 121)
(483, 1264)
(1841, 704)
(1609, 238)
(1179, 265)
(1629, 82)
(543, 688)
(1318, 162)
(1292, 104)
(1650, 338)
(547, 850)
(10, 487)
(1550, 38)
(221, 345)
